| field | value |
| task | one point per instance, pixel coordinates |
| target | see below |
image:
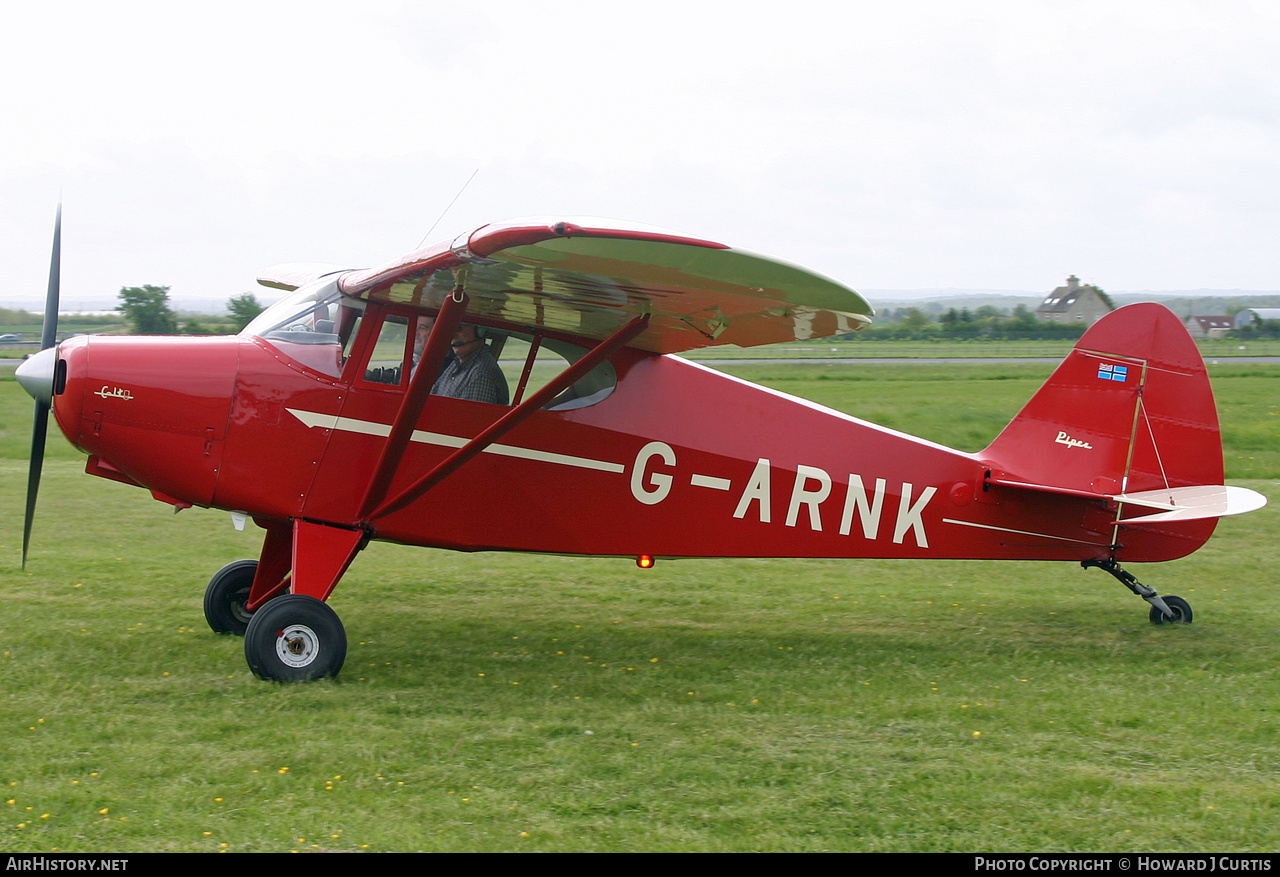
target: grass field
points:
(511, 702)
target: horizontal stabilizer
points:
(1195, 503)
(1192, 503)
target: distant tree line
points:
(986, 322)
(1256, 330)
(148, 312)
(14, 319)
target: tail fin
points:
(1130, 409)
(1128, 413)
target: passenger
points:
(421, 333)
(472, 372)
(420, 340)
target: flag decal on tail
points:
(1109, 372)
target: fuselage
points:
(678, 460)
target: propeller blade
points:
(49, 329)
(40, 426)
(33, 474)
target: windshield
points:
(310, 325)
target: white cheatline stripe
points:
(549, 457)
(1019, 532)
(365, 427)
(710, 481)
(312, 420)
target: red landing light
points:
(644, 561)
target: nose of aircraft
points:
(36, 375)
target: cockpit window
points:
(533, 361)
(386, 362)
(313, 325)
(316, 326)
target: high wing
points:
(588, 279)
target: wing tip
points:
(291, 275)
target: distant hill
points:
(1184, 302)
(1203, 302)
(212, 307)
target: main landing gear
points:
(291, 635)
(1164, 610)
(292, 638)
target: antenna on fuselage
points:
(446, 209)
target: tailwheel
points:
(295, 638)
(227, 595)
(1164, 610)
(1179, 609)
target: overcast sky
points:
(891, 146)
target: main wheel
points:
(1180, 608)
(227, 595)
(295, 638)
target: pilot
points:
(472, 372)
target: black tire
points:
(295, 638)
(1180, 608)
(227, 595)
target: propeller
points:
(37, 376)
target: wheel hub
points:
(297, 645)
(238, 602)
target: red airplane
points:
(319, 422)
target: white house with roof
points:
(1074, 303)
(1209, 327)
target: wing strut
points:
(429, 365)
(513, 417)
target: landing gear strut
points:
(1164, 610)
